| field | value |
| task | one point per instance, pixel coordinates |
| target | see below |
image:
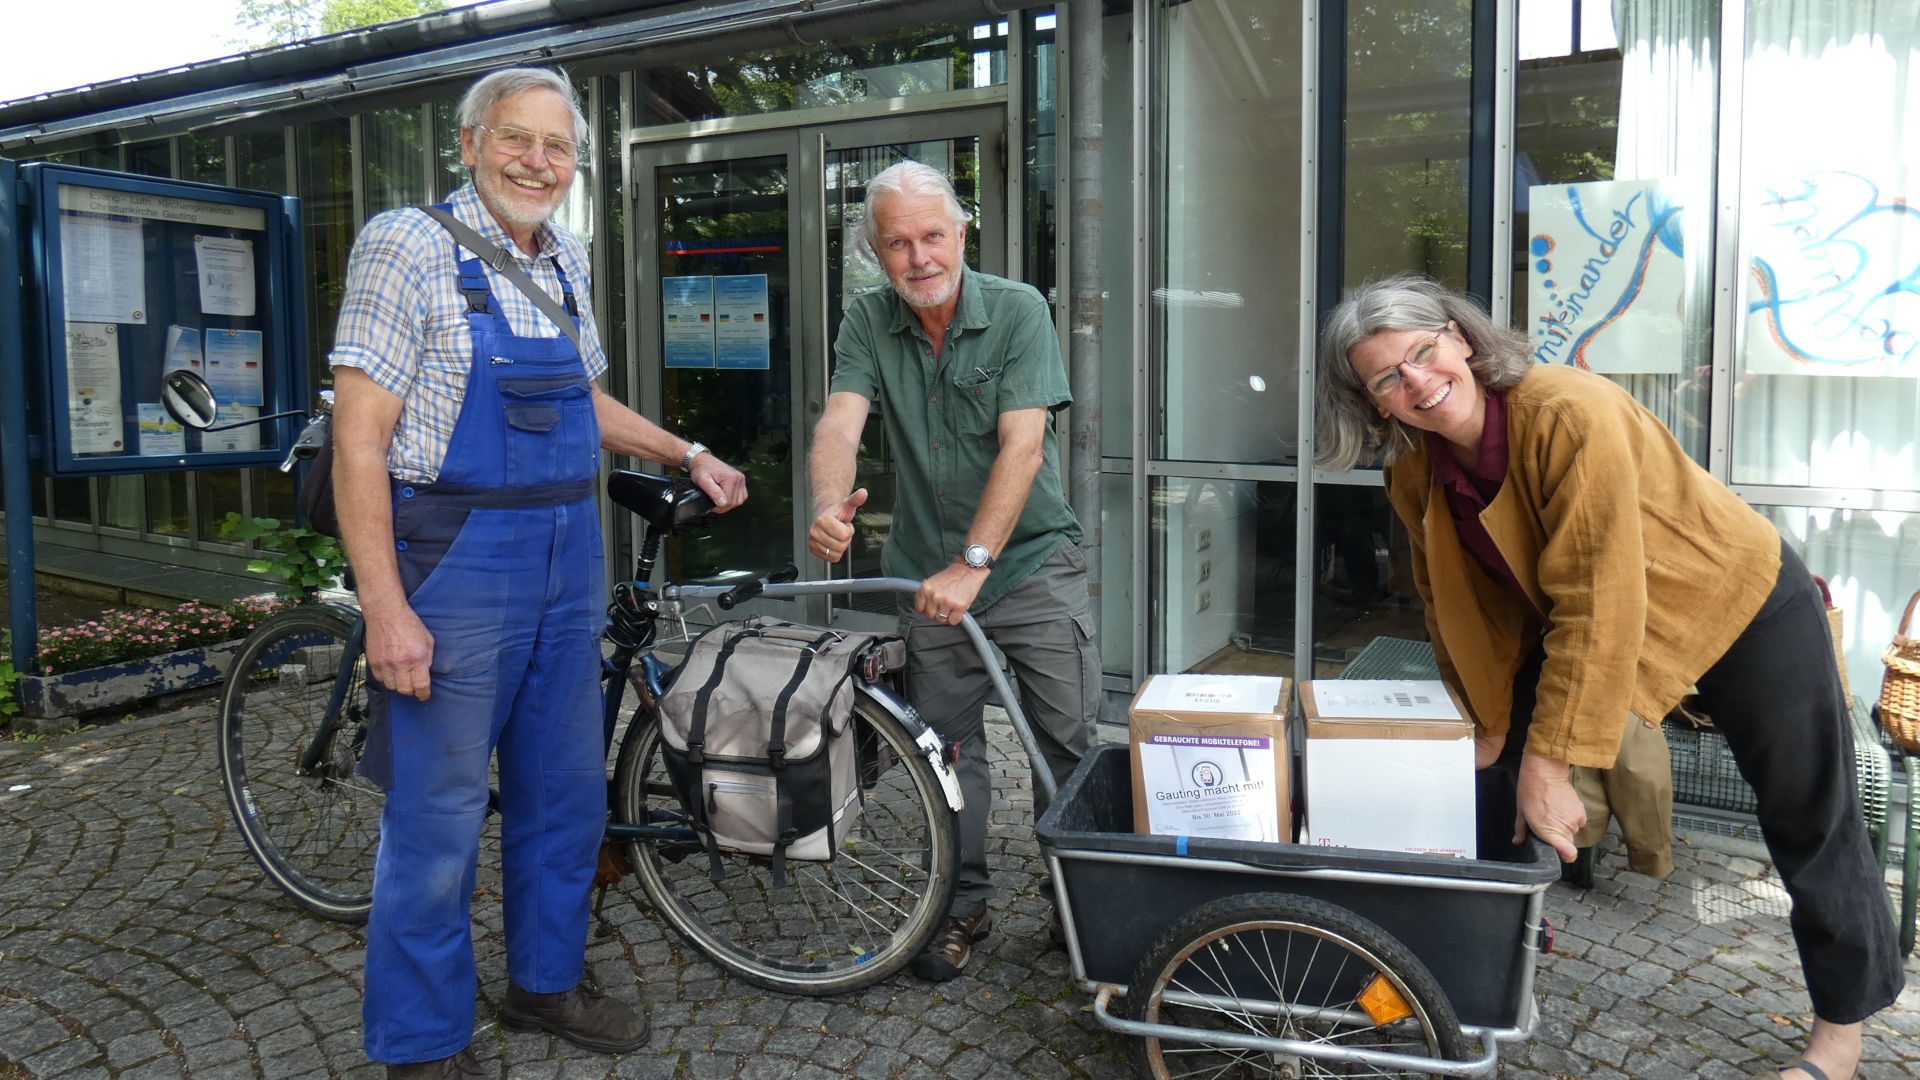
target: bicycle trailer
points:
(1429, 948)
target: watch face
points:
(976, 556)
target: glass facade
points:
(1767, 318)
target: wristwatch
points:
(977, 557)
(693, 451)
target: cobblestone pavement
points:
(139, 941)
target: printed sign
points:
(741, 332)
(1211, 785)
(686, 318)
(1606, 278)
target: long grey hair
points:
(1350, 430)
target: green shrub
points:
(306, 560)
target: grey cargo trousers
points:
(1044, 626)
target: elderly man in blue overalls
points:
(468, 435)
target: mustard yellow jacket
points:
(1647, 567)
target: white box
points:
(1389, 766)
(1210, 757)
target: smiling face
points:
(522, 190)
(921, 248)
(1443, 397)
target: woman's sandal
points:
(1805, 1066)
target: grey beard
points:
(507, 210)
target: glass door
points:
(713, 285)
(741, 273)
(965, 146)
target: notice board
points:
(131, 277)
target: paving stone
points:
(141, 920)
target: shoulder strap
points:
(503, 264)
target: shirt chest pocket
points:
(975, 396)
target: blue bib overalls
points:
(501, 560)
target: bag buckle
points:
(694, 756)
(777, 756)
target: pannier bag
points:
(756, 741)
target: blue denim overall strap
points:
(500, 559)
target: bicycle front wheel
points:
(293, 724)
(837, 926)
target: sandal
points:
(1805, 1066)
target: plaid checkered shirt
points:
(403, 320)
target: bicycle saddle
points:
(662, 502)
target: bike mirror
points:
(188, 399)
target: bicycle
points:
(293, 723)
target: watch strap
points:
(693, 451)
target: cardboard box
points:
(1210, 757)
(1388, 766)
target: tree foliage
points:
(280, 22)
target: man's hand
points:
(723, 483)
(399, 651)
(947, 595)
(833, 529)
(1549, 806)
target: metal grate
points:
(1393, 658)
(1704, 773)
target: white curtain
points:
(1830, 89)
(1669, 70)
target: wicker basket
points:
(1900, 693)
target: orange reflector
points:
(1382, 1002)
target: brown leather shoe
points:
(952, 947)
(461, 1066)
(583, 1016)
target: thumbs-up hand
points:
(833, 529)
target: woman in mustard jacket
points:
(1581, 572)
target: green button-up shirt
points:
(942, 417)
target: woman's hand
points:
(1549, 806)
(1486, 749)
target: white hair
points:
(909, 178)
(482, 96)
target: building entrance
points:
(743, 267)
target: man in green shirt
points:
(967, 370)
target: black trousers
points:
(1776, 697)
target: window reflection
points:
(926, 60)
(1363, 576)
(1409, 75)
(1224, 574)
(1619, 120)
(1227, 296)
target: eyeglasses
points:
(1389, 380)
(519, 141)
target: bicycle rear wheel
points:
(315, 830)
(836, 927)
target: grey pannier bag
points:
(755, 737)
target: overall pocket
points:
(552, 436)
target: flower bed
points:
(130, 656)
(139, 635)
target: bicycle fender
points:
(932, 747)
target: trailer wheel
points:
(1289, 967)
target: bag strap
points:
(777, 737)
(504, 265)
(697, 738)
